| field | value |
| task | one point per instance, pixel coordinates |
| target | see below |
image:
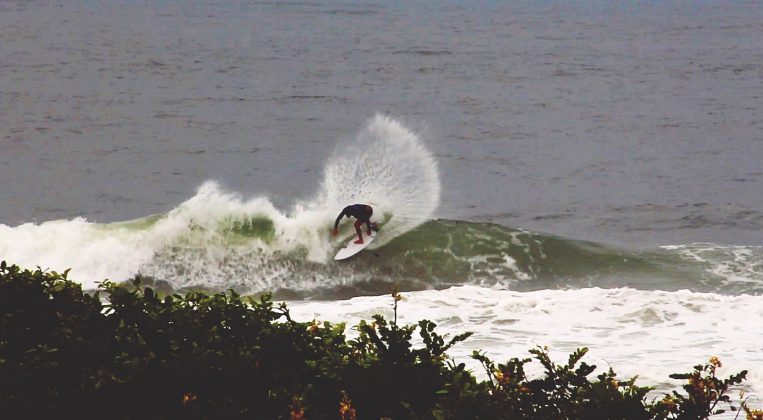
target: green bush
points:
(134, 354)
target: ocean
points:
(554, 173)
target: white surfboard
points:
(352, 248)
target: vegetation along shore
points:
(125, 351)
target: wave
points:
(218, 235)
(219, 240)
(253, 252)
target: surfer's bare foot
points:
(368, 232)
(359, 241)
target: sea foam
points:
(649, 334)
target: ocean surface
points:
(560, 173)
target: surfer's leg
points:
(367, 221)
(357, 229)
(363, 221)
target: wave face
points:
(444, 253)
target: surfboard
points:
(352, 248)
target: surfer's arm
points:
(338, 218)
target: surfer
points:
(362, 213)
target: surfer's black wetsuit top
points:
(361, 212)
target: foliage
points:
(704, 390)
(134, 354)
(565, 392)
